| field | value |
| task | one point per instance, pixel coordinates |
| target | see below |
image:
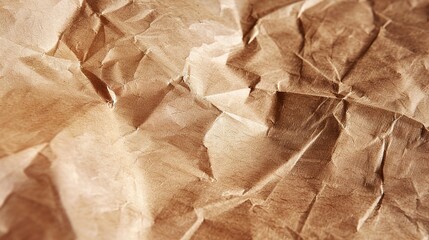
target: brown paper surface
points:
(214, 119)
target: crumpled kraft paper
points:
(214, 119)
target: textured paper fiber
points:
(214, 119)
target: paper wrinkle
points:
(36, 193)
(307, 212)
(285, 168)
(127, 199)
(231, 119)
(373, 210)
(11, 174)
(191, 231)
(363, 51)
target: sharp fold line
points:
(315, 68)
(285, 168)
(372, 209)
(307, 213)
(193, 229)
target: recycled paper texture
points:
(214, 119)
